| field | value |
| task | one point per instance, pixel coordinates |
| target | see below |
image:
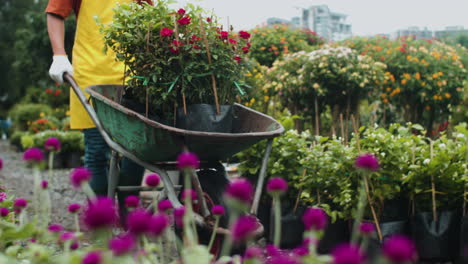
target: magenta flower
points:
(3, 196)
(253, 253)
(164, 206)
(224, 34)
(244, 228)
(52, 144)
(1, 164)
(277, 186)
(158, 223)
(367, 162)
(399, 249)
(191, 193)
(4, 212)
(244, 34)
(20, 203)
(166, 32)
(283, 259)
(218, 210)
(79, 175)
(153, 180)
(93, 257)
(100, 213)
(184, 20)
(188, 160)
(33, 155)
(271, 250)
(137, 221)
(55, 228)
(44, 184)
(132, 201)
(122, 245)
(367, 228)
(314, 219)
(179, 216)
(66, 236)
(74, 208)
(75, 245)
(240, 190)
(347, 254)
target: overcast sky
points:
(367, 17)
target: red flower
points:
(181, 11)
(184, 20)
(49, 91)
(244, 34)
(224, 34)
(175, 46)
(238, 59)
(196, 47)
(194, 39)
(208, 19)
(403, 50)
(245, 49)
(232, 41)
(248, 44)
(166, 32)
(57, 92)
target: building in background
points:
(415, 32)
(450, 32)
(327, 24)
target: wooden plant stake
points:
(317, 121)
(208, 53)
(342, 130)
(176, 31)
(296, 204)
(433, 189)
(366, 183)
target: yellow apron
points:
(91, 66)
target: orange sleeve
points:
(63, 8)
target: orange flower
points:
(417, 76)
(403, 82)
(447, 95)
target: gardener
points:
(90, 67)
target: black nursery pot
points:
(74, 160)
(437, 240)
(203, 117)
(388, 229)
(59, 160)
(335, 233)
(292, 230)
(463, 253)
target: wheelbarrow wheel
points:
(213, 180)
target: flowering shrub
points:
(166, 54)
(42, 124)
(272, 42)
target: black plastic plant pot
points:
(292, 231)
(437, 240)
(463, 240)
(335, 233)
(387, 229)
(59, 160)
(74, 160)
(203, 117)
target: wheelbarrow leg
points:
(114, 175)
(261, 177)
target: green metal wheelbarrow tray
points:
(156, 146)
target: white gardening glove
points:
(60, 65)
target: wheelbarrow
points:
(155, 146)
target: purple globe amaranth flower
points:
(253, 253)
(244, 228)
(55, 228)
(314, 219)
(283, 259)
(33, 155)
(241, 190)
(164, 206)
(272, 250)
(277, 186)
(218, 210)
(179, 216)
(94, 257)
(74, 208)
(138, 221)
(122, 245)
(153, 180)
(1, 164)
(66, 236)
(3, 196)
(132, 201)
(367, 162)
(79, 175)
(44, 184)
(347, 254)
(75, 245)
(20, 203)
(4, 212)
(367, 228)
(399, 249)
(188, 160)
(52, 144)
(191, 193)
(100, 213)
(157, 224)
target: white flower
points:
(426, 161)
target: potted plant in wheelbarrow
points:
(183, 68)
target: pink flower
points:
(347, 254)
(224, 34)
(367, 161)
(240, 190)
(277, 186)
(55, 228)
(188, 160)
(158, 223)
(74, 208)
(100, 213)
(314, 219)
(33, 155)
(66, 236)
(253, 253)
(164, 206)
(399, 249)
(52, 144)
(137, 221)
(191, 193)
(153, 180)
(166, 32)
(179, 216)
(3, 196)
(218, 210)
(132, 201)
(79, 175)
(122, 245)
(181, 11)
(238, 59)
(44, 184)
(184, 20)
(93, 257)
(244, 34)
(367, 228)
(4, 212)
(244, 228)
